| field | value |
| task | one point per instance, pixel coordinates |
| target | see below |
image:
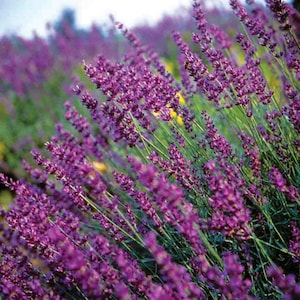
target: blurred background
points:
(25, 17)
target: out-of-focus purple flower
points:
(285, 283)
(72, 260)
(237, 287)
(295, 242)
(281, 184)
(281, 12)
(292, 110)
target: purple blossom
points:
(177, 166)
(281, 12)
(170, 200)
(230, 216)
(72, 260)
(178, 280)
(151, 222)
(237, 287)
(292, 110)
(285, 283)
(281, 185)
(19, 278)
(295, 242)
(216, 141)
(252, 154)
(127, 184)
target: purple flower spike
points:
(285, 283)
(178, 280)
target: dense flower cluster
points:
(168, 186)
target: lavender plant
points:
(35, 75)
(182, 189)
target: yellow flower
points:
(181, 99)
(179, 120)
(174, 116)
(99, 166)
(169, 66)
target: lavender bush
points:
(177, 189)
(36, 74)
